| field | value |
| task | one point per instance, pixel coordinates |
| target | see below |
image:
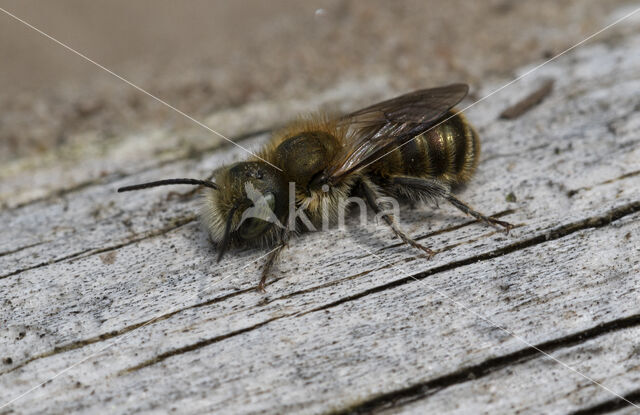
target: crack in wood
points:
(189, 219)
(44, 264)
(610, 405)
(177, 223)
(13, 251)
(573, 192)
(425, 389)
(416, 392)
(195, 346)
(115, 333)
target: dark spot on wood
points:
(95, 212)
(108, 258)
(504, 287)
(572, 193)
(528, 102)
(7, 360)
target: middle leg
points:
(371, 196)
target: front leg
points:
(271, 259)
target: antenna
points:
(193, 182)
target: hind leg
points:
(432, 189)
(499, 224)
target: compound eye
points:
(258, 218)
(252, 228)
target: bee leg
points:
(502, 225)
(371, 195)
(434, 189)
(271, 259)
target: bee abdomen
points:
(448, 152)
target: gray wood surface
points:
(115, 301)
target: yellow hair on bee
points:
(314, 122)
(321, 204)
(215, 205)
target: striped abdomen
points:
(448, 152)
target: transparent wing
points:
(382, 127)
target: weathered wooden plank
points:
(112, 271)
(344, 323)
(246, 348)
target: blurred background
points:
(206, 56)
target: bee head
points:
(250, 204)
(247, 203)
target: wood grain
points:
(125, 290)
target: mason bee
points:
(415, 147)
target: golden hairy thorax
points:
(304, 147)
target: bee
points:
(415, 146)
